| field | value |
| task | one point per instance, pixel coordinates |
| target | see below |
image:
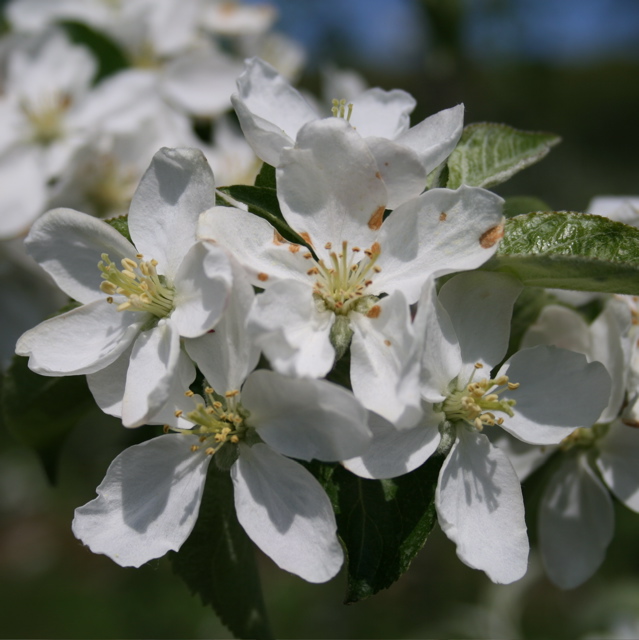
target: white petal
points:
(524, 457)
(202, 285)
(611, 346)
(561, 327)
(306, 419)
(401, 170)
(393, 453)
(384, 114)
(481, 509)
(227, 354)
(201, 82)
(255, 244)
(440, 232)
(436, 345)
(83, 340)
(269, 109)
(109, 384)
(291, 332)
(435, 138)
(576, 523)
(559, 391)
(285, 511)
(480, 306)
(148, 502)
(174, 191)
(617, 461)
(154, 361)
(380, 348)
(329, 186)
(23, 188)
(68, 245)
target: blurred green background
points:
(567, 67)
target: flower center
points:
(47, 117)
(342, 110)
(140, 283)
(219, 422)
(341, 285)
(476, 403)
(110, 186)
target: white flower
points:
(331, 193)
(131, 319)
(576, 516)
(272, 112)
(538, 395)
(149, 501)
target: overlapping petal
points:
(147, 503)
(286, 513)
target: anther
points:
(189, 393)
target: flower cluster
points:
(230, 325)
(362, 245)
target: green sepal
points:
(218, 563)
(488, 154)
(382, 523)
(263, 202)
(121, 225)
(40, 411)
(567, 250)
(110, 57)
(340, 336)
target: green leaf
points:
(382, 523)
(567, 250)
(110, 56)
(516, 205)
(266, 177)
(121, 225)
(488, 154)
(218, 562)
(263, 202)
(40, 411)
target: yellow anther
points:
(166, 428)
(107, 287)
(513, 385)
(109, 300)
(479, 365)
(124, 306)
(209, 390)
(234, 439)
(178, 413)
(210, 451)
(231, 394)
(189, 394)
(139, 256)
(128, 264)
(194, 447)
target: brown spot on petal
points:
(278, 238)
(376, 219)
(442, 216)
(378, 175)
(374, 311)
(306, 237)
(387, 343)
(489, 238)
(293, 248)
(262, 277)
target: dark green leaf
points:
(218, 562)
(121, 225)
(516, 205)
(40, 411)
(263, 202)
(568, 250)
(382, 523)
(266, 177)
(109, 55)
(488, 154)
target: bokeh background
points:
(569, 67)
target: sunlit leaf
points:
(489, 154)
(567, 250)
